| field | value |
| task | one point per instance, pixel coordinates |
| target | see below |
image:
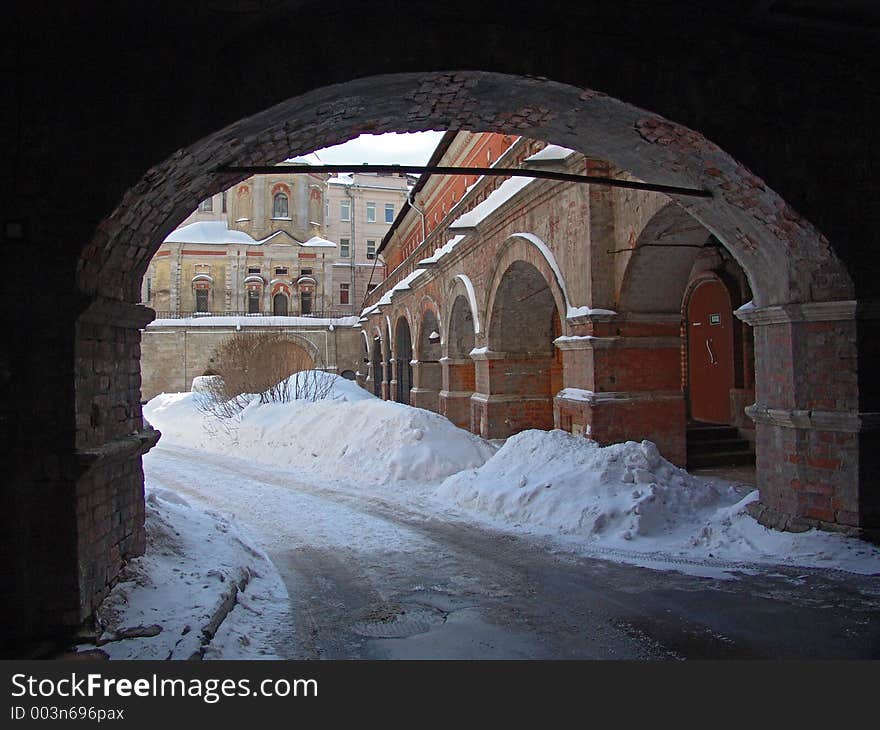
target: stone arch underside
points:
(402, 370)
(427, 373)
(658, 269)
(518, 372)
(786, 259)
(458, 371)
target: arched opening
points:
(279, 305)
(376, 369)
(679, 289)
(403, 355)
(427, 373)
(520, 361)
(459, 374)
(791, 261)
(280, 206)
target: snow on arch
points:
(571, 311)
(434, 308)
(551, 261)
(472, 300)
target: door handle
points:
(712, 359)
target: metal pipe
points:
(442, 170)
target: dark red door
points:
(710, 352)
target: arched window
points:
(279, 305)
(253, 301)
(279, 206)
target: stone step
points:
(720, 458)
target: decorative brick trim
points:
(595, 317)
(504, 398)
(649, 317)
(456, 393)
(847, 421)
(483, 354)
(810, 312)
(589, 342)
(117, 313)
(776, 520)
(121, 449)
(594, 399)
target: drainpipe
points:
(352, 247)
(412, 204)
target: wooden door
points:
(710, 352)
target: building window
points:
(201, 300)
(223, 203)
(389, 212)
(279, 206)
(305, 302)
(371, 249)
(253, 269)
(326, 210)
(253, 301)
(279, 305)
(305, 272)
(345, 210)
(371, 212)
(149, 289)
(280, 271)
(343, 294)
(207, 206)
(344, 248)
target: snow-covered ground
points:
(622, 502)
(196, 560)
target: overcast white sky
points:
(414, 148)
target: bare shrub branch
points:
(267, 366)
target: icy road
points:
(370, 579)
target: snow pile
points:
(351, 435)
(627, 499)
(573, 485)
(193, 563)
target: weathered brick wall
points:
(110, 438)
(173, 355)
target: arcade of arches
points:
(788, 207)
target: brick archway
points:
(402, 369)
(519, 372)
(458, 370)
(427, 371)
(527, 248)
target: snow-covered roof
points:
(402, 285)
(318, 242)
(308, 159)
(208, 232)
(498, 197)
(344, 178)
(445, 249)
(551, 152)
